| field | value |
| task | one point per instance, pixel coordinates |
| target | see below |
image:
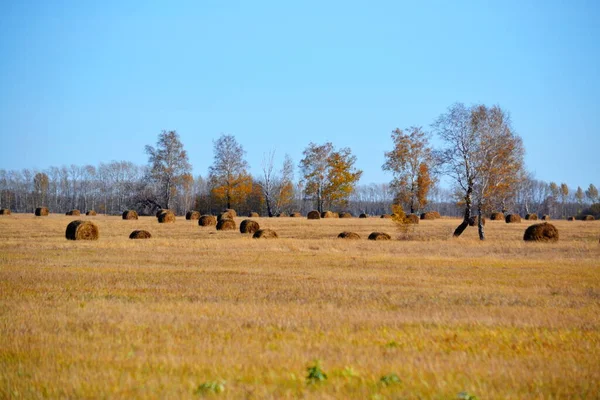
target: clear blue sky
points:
(87, 82)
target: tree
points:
(482, 154)
(229, 180)
(579, 195)
(40, 187)
(410, 163)
(330, 176)
(168, 165)
(592, 193)
(564, 193)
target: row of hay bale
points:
(87, 230)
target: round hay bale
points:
(166, 217)
(326, 214)
(265, 234)
(282, 215)
(207, 220)
(296, 215)
(571, 219)
(345, 215)
(436, 214)
(130, 214)
(363, 216)
(74, 212)
(4, 211)
(588, 218)
(497, 216)
(543, 232)
(253, 215)
(379, 236)
(386, 216)
(314, 214)
(428, 215)
(91, 213)
(42, 212)
(82, 230)
(227, 214)
(546, 217)
(411, 219)
(474, 221)
(249, 226)
(140, 234)
(226, 224)
(512, 218)
(160, 211)
(335, 215)
(531, 217)
(349, 235)
(192, 215)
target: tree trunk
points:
(465, 223)
(480, 222)
(269, 211)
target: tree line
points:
(481, 155)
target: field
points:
(194, 312)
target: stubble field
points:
(157, 318)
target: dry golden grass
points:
(120, 318)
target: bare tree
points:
(168, 164)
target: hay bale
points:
(227, 214)
(512, 218)
(546, 217)
(531, 217)
(166, 217)
(130, 214)
(326, 214)
(4, 211)
(140, 234)
(226, 224)
(430, 215)
(253, 215)
(386, 216)
(160, 211)
(265, 234)
(42, 212)
(436, 214)
(474, 221)
(411, 219)
(192, 215)
(249, 226)
(82, 230)
(543, 232)
(349, 235)
(571, 219)
(497, 216)
(296, 215)
(314, 214)
(363, 216)
(588, 218)
(379, 236)
(207, 220)
(335, 215)
(91, 213)
(345, 215)
(73, 212)
(282, 215)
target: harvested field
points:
(121, 318)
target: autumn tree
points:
(168, 164)
(329, 174)
(40, 188)
(482, 154)
(579, 196)
(592, 193)
(410, 163)
(229, 180)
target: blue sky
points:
(90, 82)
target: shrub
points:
(315, 373)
